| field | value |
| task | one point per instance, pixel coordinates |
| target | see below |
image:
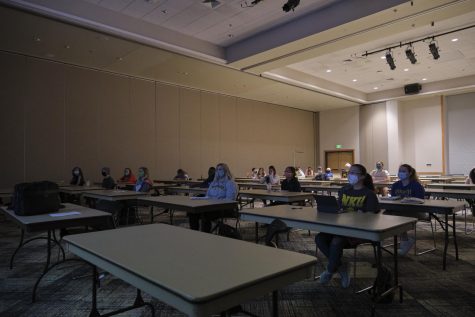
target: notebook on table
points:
(327, 203)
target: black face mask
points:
(104, 174)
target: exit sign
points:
(338, 146)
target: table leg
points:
(444, 262)
(455, 237)
(18, 248)
(257, 232)
(275, 304)
(48, 250)
(94, 312)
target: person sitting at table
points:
(143, 184)
(209, 180)
(408, 185)
(328, 175)
(319, 174)
(181, 175)
(107, 181)
(222, 187)
(380, 175)
(128, 177)
(78, 177)
(471, 177)
(252, 174)
(271, 177)
(261, 173)
(290, 183)
(299, 172)
(309, 172)
(357, 196)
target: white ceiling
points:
(257, 52)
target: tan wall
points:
(56, 116)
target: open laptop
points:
(327, 203)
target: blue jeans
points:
(332, 246)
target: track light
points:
(390, 60)
(290, 5)
(434, 50)
(410, 54)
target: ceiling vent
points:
(212, 4)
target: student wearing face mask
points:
(107, 180)
(380, 175)
(328, 175)
(128, 177)
(408, 185)
(357, 196)
(319, 174)
(222, 187)
(143, 184)
(78, 177)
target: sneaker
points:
(325, 277)
(405, 246)
(344, 275)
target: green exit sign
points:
(338, 146)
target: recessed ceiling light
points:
(424, 79)
(50, 55)
(375, 88)
(355, 80)
(67, 46)
(230, 35)
(37, 39)
(454, 39)
(328, 70)
(406, 69)
(120, 59)
(383, 57)
(164, 11)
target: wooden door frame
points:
(339, 150)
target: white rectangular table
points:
(433, 207)
(368, 226)
(69, 216)
(197, 273)
(452, 186)
(114, 194)
(276, 195)
(185, 203)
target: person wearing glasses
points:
(222, 187)
(357, 196)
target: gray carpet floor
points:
(428, 290)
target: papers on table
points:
(199, 198)
(412, 200)
(63, 214)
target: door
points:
(336, 160)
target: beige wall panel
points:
(12, 127)
(113, 103)
(140, 139)
(366, 134)
(228, 130)
(373, 135)
(209, 131)
(82, 122)
(44, 120)
(190, 132)
(167, 105)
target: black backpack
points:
(35, 198)
(228, 231)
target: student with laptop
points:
(357, 196)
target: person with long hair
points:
(128, 177)
(209, 180)
(408, 185)
(271, 177)
(380, 175)
(290, 183)
(357, 196)
(143, 184)
(223, 186)
(78, 177)
(261, 173)
(471, 177)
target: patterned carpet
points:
(428, 290)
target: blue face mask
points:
(141, 173)
(353, 179)
(402, 175)
(220, 173)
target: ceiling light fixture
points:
(211, 3)
(454, 40)
(244, 4)
(434, 49)
(290, 5)
(410, 54)
(390, 60)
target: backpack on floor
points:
(35, 198)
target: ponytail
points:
(368, 180)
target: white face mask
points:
(76, 173)
(353, 179)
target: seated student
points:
(252, 174)
(181, 175)
(271, 177)
(357, 196)
(299, 172)
(319, 174)
(380, 175)
(261, 173)
(290, 183)
(143, 184)
(128, 177)
(209, 180)
(78, 177)
(328, 175)
(309, 172)
(471, 177)
(408, 185)
(344, 171)
(222, 187)
(107, 182)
